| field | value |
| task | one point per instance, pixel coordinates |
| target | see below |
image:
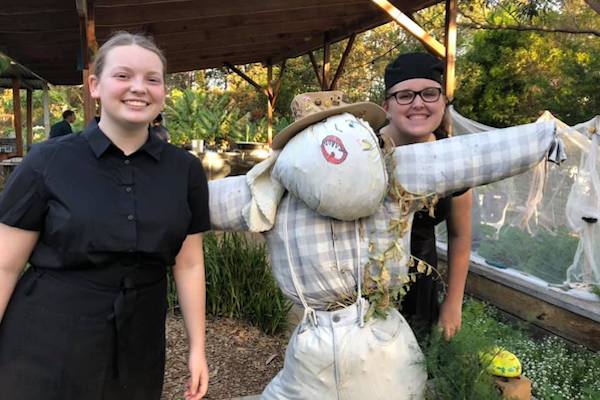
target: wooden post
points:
(29, 117)
(340, 67)
(46, 111)
(272, 91)
(413, 28)
(270, 104)
(17, 116)
(247, 79)
(450, 74)
(315, 66)
(450, 42)
(89, 46)
(595, 5)
(326, 63)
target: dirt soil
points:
(242, 360)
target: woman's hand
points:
(450, 318)
(189, 278)
(197, 385)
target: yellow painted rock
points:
(500, 362)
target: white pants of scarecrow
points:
(338, 359)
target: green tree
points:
(507, 77)
(200, 114)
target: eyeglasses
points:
(405, 97)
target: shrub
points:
(454, 366)
(558, 370)
(239, 283)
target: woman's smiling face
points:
(131, 86)
(415, 122)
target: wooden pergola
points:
(57, 38)
(17, 77)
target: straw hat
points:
(312, 107)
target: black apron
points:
(92, 334)
(421, 305)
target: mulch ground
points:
(242, 360)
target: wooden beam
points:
(26, 7)
(270, 104)
(326, 62)
(555, 319)
(266, 43)
(554, 311)
(46, 110)
(273, 88)
(23, 84)
(203, 30)
(150, 13)
(247, 79)
(413, 5)
(212, 6)
(41, 38)
(57, 20)
(595, 5)
(450, 39)
(29, 116)
(315, 66)
(362, 24)
(413, 28)
(92, 43)
(340, 67)
(17, 122)
(277, 85)
(89, 46)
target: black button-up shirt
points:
(95, 206)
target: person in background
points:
(159, 129)
(86, 320)
(415, 105)
(63, 127)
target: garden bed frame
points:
(550, 309)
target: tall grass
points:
(239, 283)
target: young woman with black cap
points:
(415, 105)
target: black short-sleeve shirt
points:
(94, 206)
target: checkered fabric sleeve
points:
(461, 162)
(227, 198)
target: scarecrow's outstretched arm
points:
(447, 166)
(227, 198)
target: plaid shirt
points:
(324, 252)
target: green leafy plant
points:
(239, 283)
(4, 63)
(547, 254)
(558, 370)
(193, 114)
(455, 367)
(595, 288)
(256, 131)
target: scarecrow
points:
(336, 208)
